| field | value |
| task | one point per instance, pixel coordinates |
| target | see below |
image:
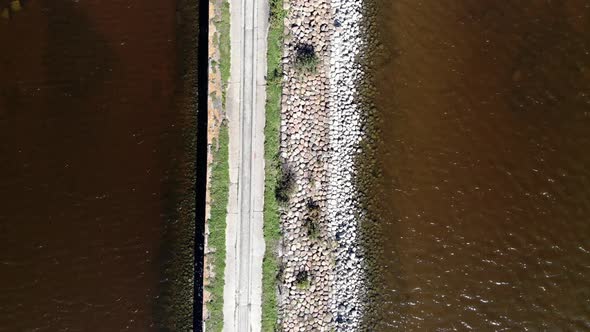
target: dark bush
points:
(285, 184)
(302, 280)
(306, 60)
(313, 218)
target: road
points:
(245, 109)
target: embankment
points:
(322, 268)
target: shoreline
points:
(323, 271)
(217, 167)
(306, 258)
(346, 134)
(271, 216)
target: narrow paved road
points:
(246, 106)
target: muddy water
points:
(96, 160)
(485, 160)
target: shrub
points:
(277, 13)
(306, 60)
(285, 184)
(313, 219)
(302, 280)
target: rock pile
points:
(307, 257)
(344, 206)
(321, 271)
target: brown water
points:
(96, 160)
(485, 157)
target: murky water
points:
(96, 163)
(485, 155)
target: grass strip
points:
(272, 231)
(219, 185)
(217, 223)
(223, 27)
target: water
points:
(485, 187)
(96, 162)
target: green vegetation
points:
(219, 185)
(285, 185)
(219, 196)
(272, 231)
(304, 284)
(306, 60)
(223, 27)
(15, 6)
(313, 219)
(277, 16)
(302, 280)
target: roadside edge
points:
(272, 231)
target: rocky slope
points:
(322, 268)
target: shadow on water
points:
(77, 59)
(177, 297)
(201, 160)
(62, 102)
(70, 34)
